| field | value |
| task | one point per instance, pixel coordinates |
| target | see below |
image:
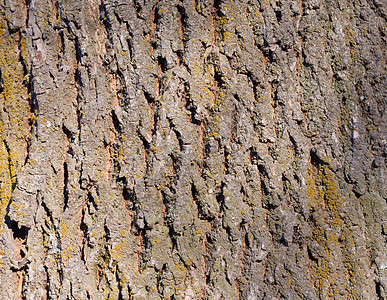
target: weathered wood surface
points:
(193, 149)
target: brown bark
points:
(193, 149)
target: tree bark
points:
(193, 149)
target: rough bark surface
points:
(193, 149)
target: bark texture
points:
(193, 149)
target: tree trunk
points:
(193, 149)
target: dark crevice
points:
(266, 194)
(71, 292)
(119, 283)
(68, 133)
(184, 262)
(54, 170)
(197, 3)
(116, 122)
(129, 197)
(196, 198)
(130, 48)
(357, 194)
(189, 104)
(284, 184)
(179, 54)
(179, 138)
(78, 49)
(107, 232)
(149, 98)
(47, 283)
(1, 83)
(219, 82)
(162, 62)
(177, 133)
(294, 144)
(18, 233)
(158, 278)
(231, 235)
(274, 93)
(91, 200)
(122, 93)
(149, 35)
(154, 45)
(32, 122)
(126, 194)
(142, 245)
(79, 119)
(246, 239)
(283, 241)
(103, 16)
(378, 289)
(146, 146)
(297, 179)
(84, 229)
(297, 237)
(262, 172)
(310, 255)
(253, 156)
(315, 159)
(237, 98)
(220, 197)
(234, 125)
(256, 81)
(217, 4)
(62, 51)
(138, 9)
(168, 199)
(173, 235)
(278, 15)
(45, 208)
(226, 165)
(10, 172)
(10, 165)
(156, 15)
(183, 22)
(65, 185)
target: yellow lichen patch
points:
(213, 134)
(326, 205)
(198, 8)
(222, 21)
(15, 111)
(227, 36)
(13, 96)
(331, 195)
(350, 40)
(311, 189)
(220, 98)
